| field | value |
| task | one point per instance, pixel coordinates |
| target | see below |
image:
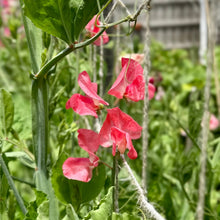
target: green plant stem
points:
(115, 171)
(12, 185)
(44, 70)
(23, 181)
(40, 127)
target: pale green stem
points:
(12, 185)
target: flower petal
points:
(151, 91)
(116, 118)
(104, 37)
(120, 84)
(93, 29)
(82, 105)
(213, 123)
(88, 140)
(89, 88)
(132, 154)
(119, 139)
(136, 90)
(133, 69)
(78, 169)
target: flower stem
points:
(44, 70)
(12, 185)
(148, 209)
(115, 171)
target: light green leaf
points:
(23, 157)
(43, 184)
(6, 111)
(195, 116)
(70, 213)
(33, 206)
(64, 19)
(105, 207)
(34, 39)
(43, 211)
(216, 157)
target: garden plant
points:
(95, 124)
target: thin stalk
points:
(115, 171)
(44, 70)
(205, 119)
(23, 181)
(148, 209)
(217, 86)
(12, 185)
(147, 66)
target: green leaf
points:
(105, 207)
(70, 213)
(4, 187)
(90, 190)
(34, 40)
(195, 117)
(43, 211)
(63, 189)
(76, 192)
(33, 206)
(64, 19)
(23, 157)
(216, 157)
(6, 111)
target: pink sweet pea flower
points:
(130, 82)
(139, 57)
(93, 30)
(86, 105)
(78, 169)
(81, 168)
(213, 123)
(118, 129)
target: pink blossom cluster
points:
(118, 129)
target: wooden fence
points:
(175, 23)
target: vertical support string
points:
(147, 66)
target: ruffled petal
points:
(125, 122)
(105, 132)
(119, 139)
(89, 88)
(116, 118)
(82, 105)
(119, 86)
(93, 29)
(151, 91)
(132, 154)
(136, 90)
(78, 169)
(88, 140)
(133, 69)
(104, 37)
